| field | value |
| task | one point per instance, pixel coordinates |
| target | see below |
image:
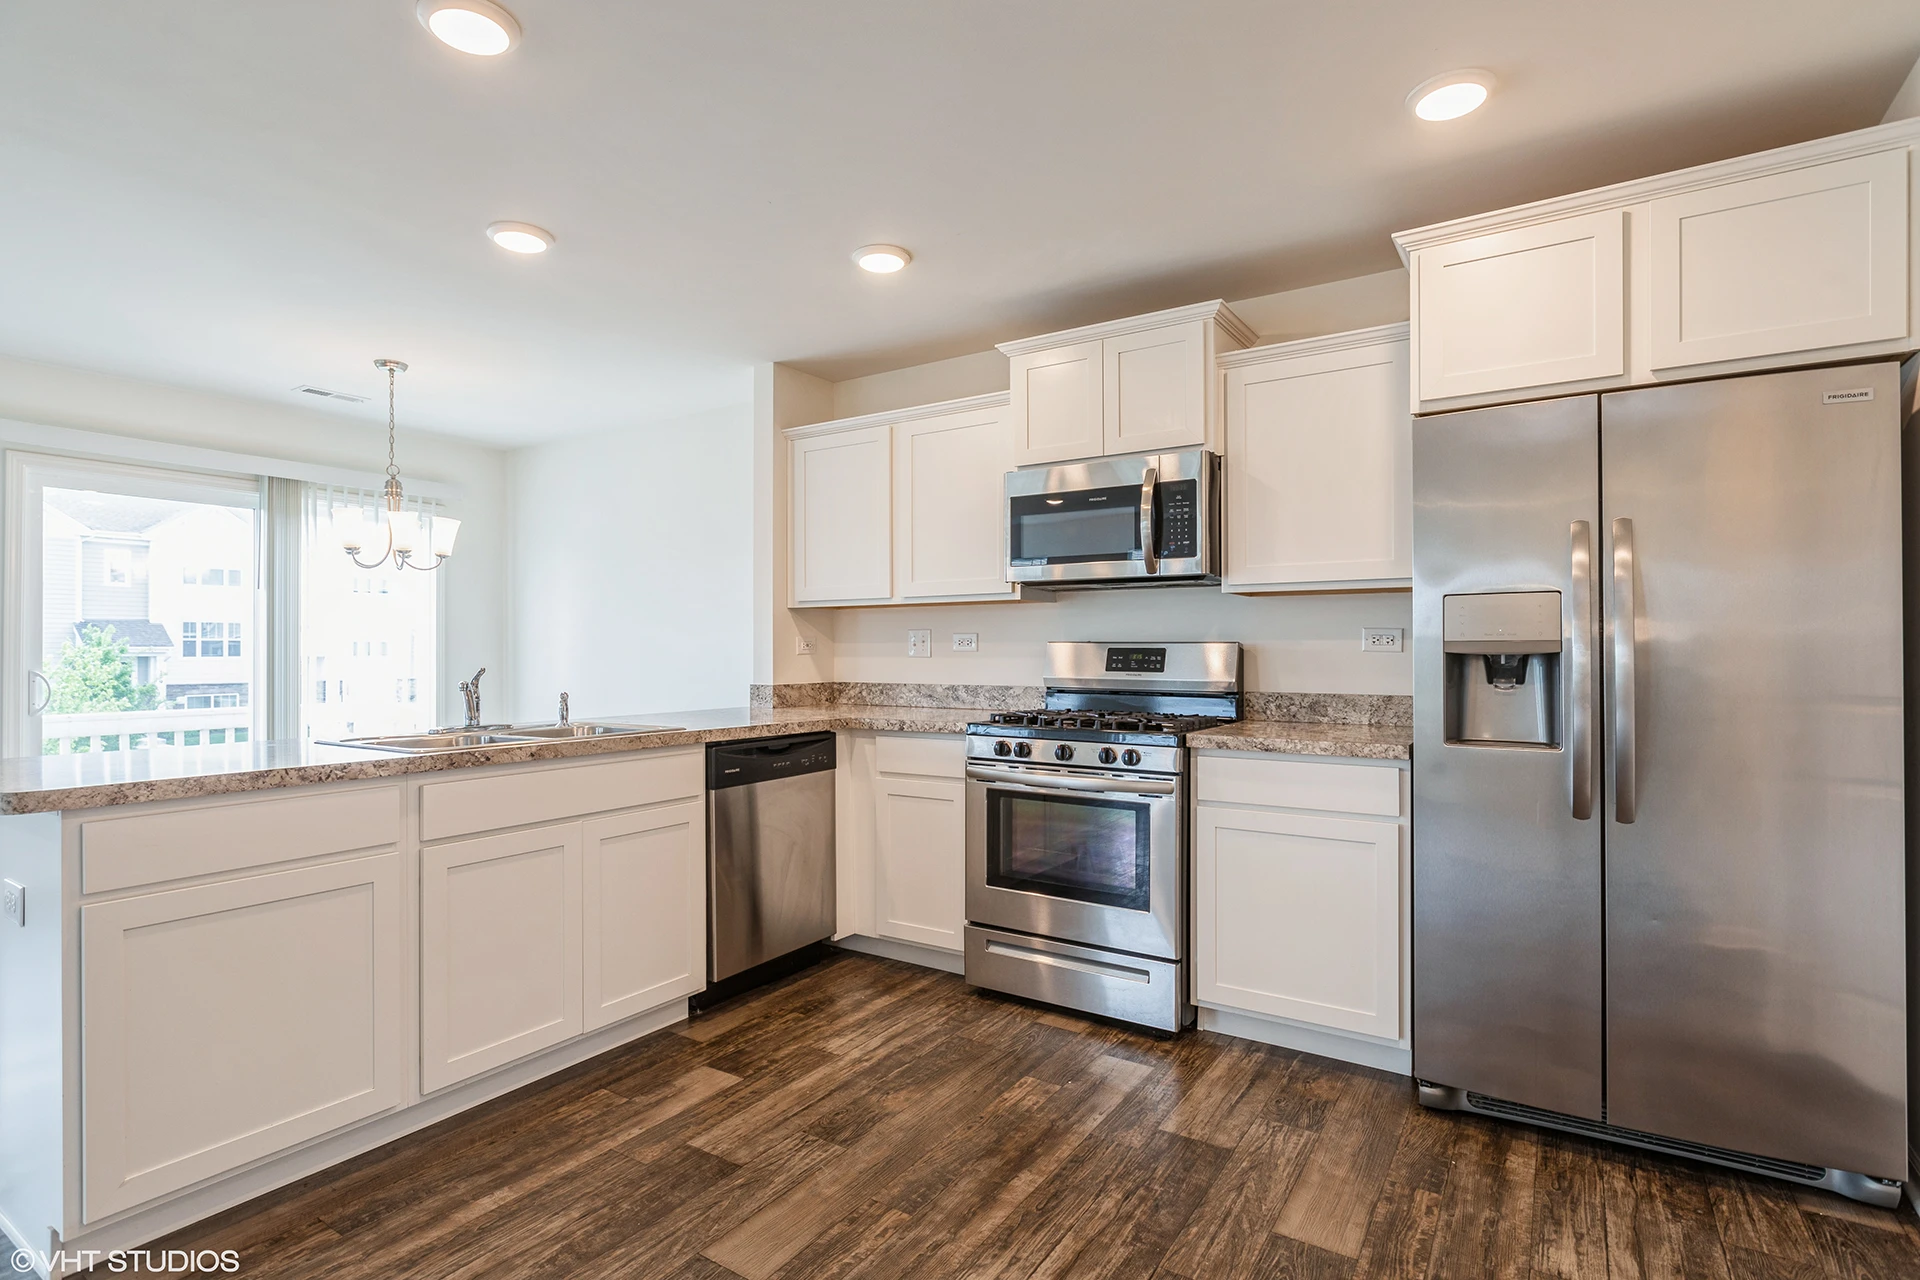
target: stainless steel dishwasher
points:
(770, 856)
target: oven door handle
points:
(1014, 781)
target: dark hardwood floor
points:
(871, 1119)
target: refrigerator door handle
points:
(1626, 779)
(1580, 674)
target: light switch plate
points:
(966, 642)
(920, 643)
(13, 900)
(1380, 639)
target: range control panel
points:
(1136, 658)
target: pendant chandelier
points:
(408, 533)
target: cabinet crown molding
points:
(888, 417)
(1216, 311)
(1843, 146)
(1377, 336)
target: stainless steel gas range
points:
(1077, 829)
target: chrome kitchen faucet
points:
(470, 689)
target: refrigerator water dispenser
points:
(1503, 668)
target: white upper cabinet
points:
(1141, 385)
(842, 511)
(1155, 389)
(1523, 308)
(949, 484)
(1798, 256)
(904, 505)
(1056, 397)
(1319, 463)
(1794, 261)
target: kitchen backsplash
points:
(1297, 708)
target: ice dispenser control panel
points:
(1503, 668)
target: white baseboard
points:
(1379, 1054)
(909, 952)
(139, 1226)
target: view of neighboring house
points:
(173, 582)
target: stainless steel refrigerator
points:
(1659, 880)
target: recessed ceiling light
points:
(1450, 96)
(471, 26)
(520, 237)
(881, 259)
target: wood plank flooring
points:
(867, 1120)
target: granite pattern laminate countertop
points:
(95, 780)
(1310, 738)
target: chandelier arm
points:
(353, 553)
(405, 560)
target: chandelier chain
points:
(393, 468)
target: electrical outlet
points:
(966, 642)
(1380, 639)
(920, 643)
(802, 645)
(13, 899)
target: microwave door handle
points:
(1147, 483)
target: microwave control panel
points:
(1179, 523)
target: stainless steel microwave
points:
(1116, 522)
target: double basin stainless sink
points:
(497, 735)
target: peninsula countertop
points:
(99, 779)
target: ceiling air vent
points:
(325, 394)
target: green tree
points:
(97, 675)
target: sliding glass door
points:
(136, 610)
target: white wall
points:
(633, 568)
(475, 580)
(1297, 643)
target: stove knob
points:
(1003, 748)
(1023, 749)
(1108, 755)
(1130, 757)
(1063, 752)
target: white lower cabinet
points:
(500, 971)
(645, 877)
(1299, 915)
(232, 1020)
(920, 892)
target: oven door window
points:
(1077, 527)
(1089, 849)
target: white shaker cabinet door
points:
(1298, 917)
(645, 931)
(920, 867)
(233, 1020)
(1056, 402)
(500, 954)
(1524, 308)
(1789, 262)
(1320, 469)
(1156, 389)
(842, 516)
(949, 484)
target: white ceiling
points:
(243, 196)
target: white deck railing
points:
(143, 730)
